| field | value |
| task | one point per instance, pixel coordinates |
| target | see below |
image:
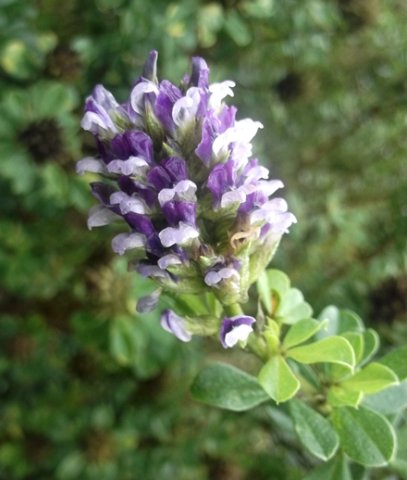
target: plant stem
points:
(233, 310)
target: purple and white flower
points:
(197, 210)
(173, 323)
(236, 329)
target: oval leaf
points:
(336, 469)
(339, 397)
(302, 331)
(366, 436)
(371, 379)
(371, 343)
(225, 386)
(278, 380)
(397, 361)
(314, 431)
(356, 339)
(339, 321)
(391, 400)
(292, 307)
(272, 281)
(330, 350)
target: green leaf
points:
(366, 436)
(278, 380)
(336, 469)
(339, 397)
(371, 345)
(225, 386)
(278, 281)
(339, 321)
(301, 331)
(292, 307)
(391, 400)
(124, 340)
(397, 361)
(259, 8)
(399, 464)
(45, 95)
(237, 28)
(210, 21)
(272, 281)
(314, 431)
(356, 339)
(371, 379)
(331, 350)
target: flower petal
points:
(100, 216)
(213, 277)
(219, 91)
(168, 260)
(235, 329)
(138, 92)
(127, 241)
(149, 302)
(180, 235)
(127, 203)
(131, 166)
(90, 164)
(186, 108)
(176, 325)
(183, 190)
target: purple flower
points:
(197, 210)
(103, 113)
(149, 302)
(176, 325)
(235, 329)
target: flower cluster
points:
(179, 174)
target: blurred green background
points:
(90, 390)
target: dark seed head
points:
(63, 63)
(290, 87)
(388, 301)
(42, 139)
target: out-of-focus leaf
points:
(237, 28)
(370, 345)
(371, 379)
(272, 281)
(227, 387)
(292, 307)
(391, 400)
(397, 361)
(336, 469)
(339, 321)
(365, 436)
(314, 431)
(339, 397)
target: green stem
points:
(233, 310)
(258, 347)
